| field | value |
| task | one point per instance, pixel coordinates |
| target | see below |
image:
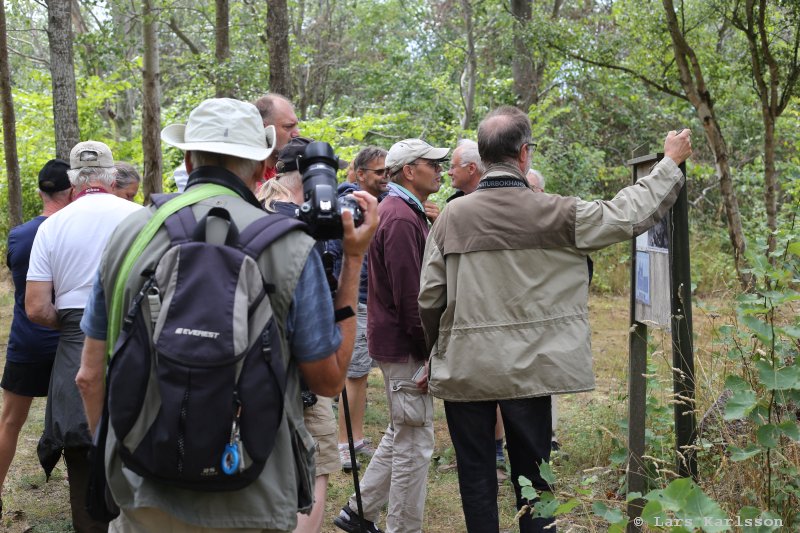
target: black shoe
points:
(348, 521)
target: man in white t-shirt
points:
(64, 259)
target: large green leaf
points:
(768, 435)
(740, 404)
(609, 514)
(791, 429)
(739, 454)
(773, 378)
(546, 471)
(736, 383)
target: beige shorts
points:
(321, 423)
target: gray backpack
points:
(196, 384)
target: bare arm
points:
(90, 380)
(326, 376)
(39, 304)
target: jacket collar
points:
(407, 197)
(226, 178)
(496, 170)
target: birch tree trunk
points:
(696, 90)
(151, 106)
(9, 129)
(62, 70)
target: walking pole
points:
(353, 463)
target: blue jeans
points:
(528, 432)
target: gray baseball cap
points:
(409, 150)
(90, 154)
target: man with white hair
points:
(64, 259)
(466, 168)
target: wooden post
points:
(682, 347)
(651, 303)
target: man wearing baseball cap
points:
(64, 259)
(31, 348)
(396, 340)
(226, 144)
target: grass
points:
(588, 430)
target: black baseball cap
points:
(287, 157)
(53, 176)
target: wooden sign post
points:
(660, 297)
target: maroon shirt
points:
(394, 330)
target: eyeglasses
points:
(378, 171)
(437, 165)
(531, 146)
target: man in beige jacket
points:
(505, 316)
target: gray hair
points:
(366, 155)
(126, 175)
(266, 106)
(536, 175)
(469, 154)
(81, 177)
(502, 133)
(244, 168)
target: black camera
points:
(322, 209)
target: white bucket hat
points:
(223, 126)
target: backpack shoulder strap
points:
(196, 194)
(179, 225)
(256, 237)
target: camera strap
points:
(501, 183)
(343, 313)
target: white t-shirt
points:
(69, 244)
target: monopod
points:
(353, 462)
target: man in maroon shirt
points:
(398, 472)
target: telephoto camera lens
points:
(321, 208)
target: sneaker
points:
(344, 458)
(363, 448)
(348, 521)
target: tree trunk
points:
(280, 75)
(768, 78)
(223, 51)
(525, 87)
(151, 106)
(470, 67)
(694, 86)
(62, 70)
(9, 129)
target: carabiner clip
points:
(230, 459)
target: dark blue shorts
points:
(27, 379)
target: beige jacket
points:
(504, 284)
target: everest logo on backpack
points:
(197, 380)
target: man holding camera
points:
(226, 144)
(519, 257)
(398, 471)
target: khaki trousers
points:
(398, 472)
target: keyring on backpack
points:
(230, 459)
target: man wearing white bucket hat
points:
(226, 144)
